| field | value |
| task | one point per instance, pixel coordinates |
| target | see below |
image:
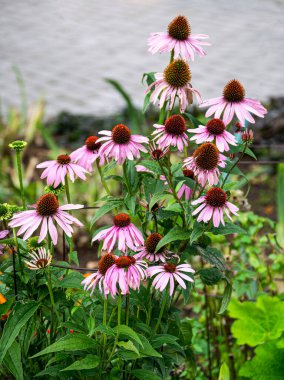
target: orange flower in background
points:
(2, 299)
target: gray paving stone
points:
(65, 49)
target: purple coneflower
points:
(179, 39)
(214, 131)
(233, 102)
(172, 133)
(98, 278)
(168, 274)
(46, 212)
(213, 205)
(204, 163)
(87, 154)
(124, 232)
(173, 82)
(39, 259)
(120, 144)
(126, 273)
(55, 171)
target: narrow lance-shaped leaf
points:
(16, 320)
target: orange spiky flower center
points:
(179, 28)
(125, 261)
(215, 127)
(47, 205)
(234, 91)
(175, 125)
(177, 73)
(105, 262)
(216, 197)
(91, 143)
(63, 159)
(121, 220)
(121, 134)
(152, 242)
(206, 156)
(169, 267)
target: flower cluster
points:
(133, 249)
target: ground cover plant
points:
(178, 240)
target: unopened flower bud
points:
(18, 145)
(247, 136)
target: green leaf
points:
(226, 298)
(16, 320)
(147, 349)
(198, 230)
(73, 256)
(177, 233)
(162, 339)
(186, 331)
(257, 321)
(107, 207)
(105, 330)
(88, 362)
(72, 342)
(267, 364)
(229, 228)
(210, 276)
(13, 361)
(130, 202)
(146, 102)
(72, 280)
(212, 256)
(129, 333)
(52, 372)
(144, 374)
(129, 346)
(152, 165)
(224, 373)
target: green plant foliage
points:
(18, 318)
(257, 322)
(68, 343)
(268, 363)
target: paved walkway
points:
(64, 48)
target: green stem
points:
(169, 179)
(235, 164)
(18, 250)
(67, 190)
(126, 178)
(127, 304)
(20, 175)
(102, 178)
(164, 302)
(49, 285)
(118, 326)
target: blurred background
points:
(65, 49)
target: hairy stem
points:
(20, 175)
(102, 178)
